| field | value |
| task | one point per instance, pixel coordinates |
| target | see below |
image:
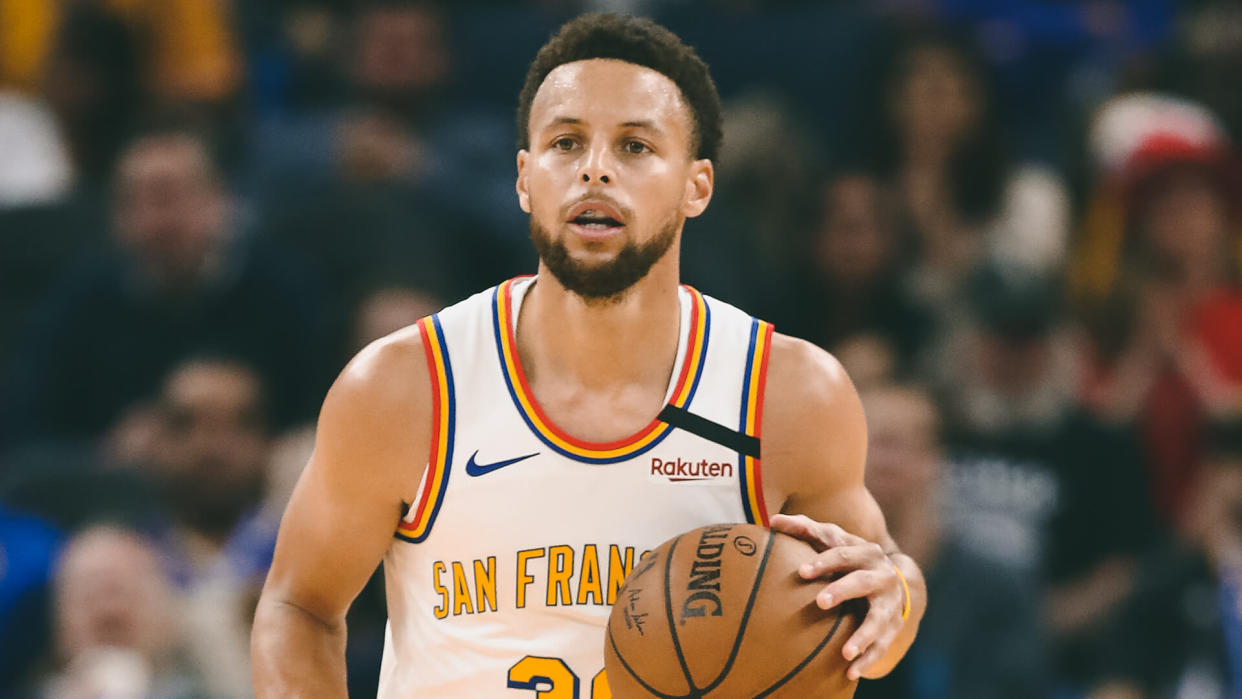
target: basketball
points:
(720, 612)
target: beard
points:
(607, 281)
(213, 509)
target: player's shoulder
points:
(806, 376)
(814, 431)
(375, 423)
(394, 370)
(387, 378)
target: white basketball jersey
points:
(501, 576)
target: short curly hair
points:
(634, 40)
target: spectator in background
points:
(393, 186)
(70, 89)
(1181, 633)
(92, 79)
(1167, 330)
(209, 453)
(117, 631)
(102, 63)
(1015, 367)
(854, 283)
(942, 153)
(209, 457)
(982, 638)
(960, 198)
(48, 493)
(1036, 481)
(748, 247)
(192, 53)
(183, 276)
(1052, 57)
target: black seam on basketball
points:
(672, 622)
(798, 668)
(741, 627)
(617, 651)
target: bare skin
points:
(619, 134)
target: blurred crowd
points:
(1018, 225)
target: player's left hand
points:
(865, 572)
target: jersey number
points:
(551, 678)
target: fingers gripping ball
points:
(721, 613)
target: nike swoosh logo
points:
(476, 469)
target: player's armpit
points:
(371, 446)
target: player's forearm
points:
(296, 654)
(918, 604)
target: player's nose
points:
(598, 167)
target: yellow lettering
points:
(523, 578)
(548, 678)
(485, 584)
(599, 686)
(560, 570)
(588, 580)
(437, 569)
(461, 590)
(618, 569)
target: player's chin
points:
(593, 259)
(593, 252)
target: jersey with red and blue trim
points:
(501, 575)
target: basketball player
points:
(528, 444)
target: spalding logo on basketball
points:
(721, 613)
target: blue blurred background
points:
(1016, 223)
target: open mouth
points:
(595, 220)
(592, 221)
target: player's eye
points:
(636, 147)
(564, 143)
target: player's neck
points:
(633, 339)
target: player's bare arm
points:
(815, 447)
(370, 449)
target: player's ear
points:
(698, 188)
(523, 195)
